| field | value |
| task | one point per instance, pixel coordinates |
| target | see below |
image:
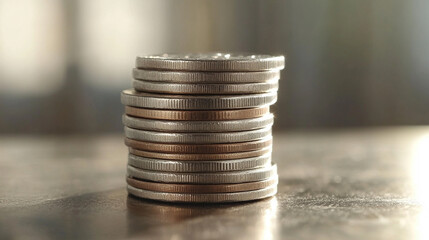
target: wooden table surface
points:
(348, 184)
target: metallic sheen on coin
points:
(198, 166)
(198, 115)
(200, 156)
(211, 62)
(205, 77)
(194, 89)
(252, 175)
(197, 138)
(201, 188)
(204, 197)
(198, 126)
(200, 148)
(131, 97)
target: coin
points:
(205, 77)
(198, 115)
(204, 197)
(197, 138)
(200, 148)
(200, 156)
(201, 188)
(252, 175)
(198, 166)
(220, 89)
(202, 102)
(198, 126)
(211, 62)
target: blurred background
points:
(349, 63)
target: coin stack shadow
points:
(198, 127)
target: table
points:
(334, 184)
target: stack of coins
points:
(198, 127)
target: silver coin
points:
(180, 88)
(197, 138)
(198, 126)
(204, 197)
(205, 77)
(211, 62)
(253, 175)
(197, 102)
(199, 166)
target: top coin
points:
(228, 62)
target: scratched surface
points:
(349, 184)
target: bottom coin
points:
(204, 198)
(252, 175)
(201, 188)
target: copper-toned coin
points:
(201, 156)
(197, 115)
(203, 188)
(201, 148)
